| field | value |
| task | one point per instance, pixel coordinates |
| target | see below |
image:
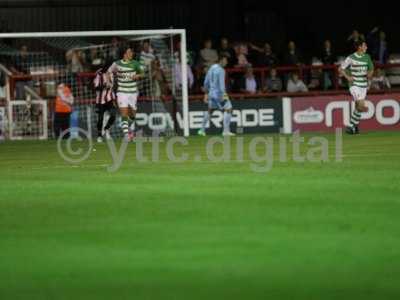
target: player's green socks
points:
(355, 118)
(125, 125)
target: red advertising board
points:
(329, 112)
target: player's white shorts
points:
(358, 93)
(217, 104)
(127, 100)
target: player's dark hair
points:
(125, 48)
(358, 44)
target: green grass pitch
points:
(201, 229)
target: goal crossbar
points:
(110, 33)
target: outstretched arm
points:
(110, 72)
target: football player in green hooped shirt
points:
(127, 72)
(357, 69)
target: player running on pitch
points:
(105, 102)
(216, 96)
(357, 69)
(128, 72)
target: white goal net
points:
(39, 68)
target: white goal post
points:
(181, 33)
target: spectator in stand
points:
(316, 75)
(75, 61)
(190, 54)
(266, 58)
(328, 57)
(208, 55)
(178, 74)
(379, 81)
(21, 67)
(382, 55)
(273, 82)
(295, 84)
(227, 51)
(114, 51)
(292, 56)
(63, 109)
(236, 79)
(354, 37)
(241, 51)
(160, 84)
(378, 45)
(96, 59)
(249, 83)
(147, 54)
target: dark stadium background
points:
(269, 220)
(306, 22)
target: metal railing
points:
(5, 70)
(303, 71)
(262, 73)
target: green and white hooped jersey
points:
(357, 66)
(124, 71)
